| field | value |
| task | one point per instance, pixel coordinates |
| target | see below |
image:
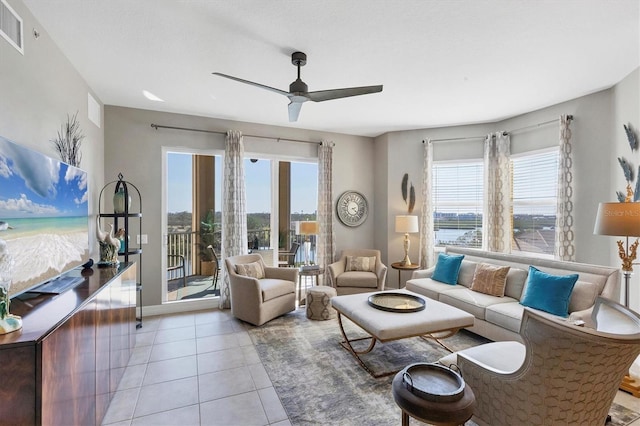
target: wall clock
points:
(352, 208)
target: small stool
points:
(319, 303)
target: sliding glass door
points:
(280, 195)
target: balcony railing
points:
(193, 246)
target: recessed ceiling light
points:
(151, 96)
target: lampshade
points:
(308, 228)
(406, 224)
(618, 219)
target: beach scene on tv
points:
(43, 216)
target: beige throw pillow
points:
(490, 279)
(253, 270)
(357, 263)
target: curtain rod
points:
(544, 123)
(160, 126)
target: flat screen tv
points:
(44, 215)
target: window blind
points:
(535, 180)
(457, 196)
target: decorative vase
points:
(121, 201)
(120, 235)
(108, 254)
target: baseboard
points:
(181, 306)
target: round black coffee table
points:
(443, 413)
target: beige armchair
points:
(359, 281)
(258, 300)
(563, 374)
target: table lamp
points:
(622, 220)
(307, 228)
(406, 224)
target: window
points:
(535, 180)
(457, 196)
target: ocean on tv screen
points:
(44, 215)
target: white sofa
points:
(499, 318)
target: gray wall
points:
(135, 149)
(37, 92)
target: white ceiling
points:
(441, 62)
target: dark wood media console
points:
(65, 364)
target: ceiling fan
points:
(298, 90)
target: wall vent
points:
(11, 26)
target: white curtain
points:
(496, 218)
(564, 244)
(234, 209)
(427, 238)
(325, 240)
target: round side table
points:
(402, 267)
(309, 272)
(432, 412)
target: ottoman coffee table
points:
(386, 326)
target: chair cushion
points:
(272, 288)
(549, 293)
(490, 279)
(447, 268)
(253, 270)
(506, 357)
(360, 263)
(357, 279)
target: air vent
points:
(11, 26)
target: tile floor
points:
(201, 368)
(195, 369)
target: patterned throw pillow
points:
(357, 263)
(490, 279)
(253, 270)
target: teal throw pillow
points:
(447, 268)
(549, 293)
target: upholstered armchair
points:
(260, 293)
(562, 374)
(358, 271)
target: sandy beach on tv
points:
(43, 255)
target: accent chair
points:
(260, 293)
(562, 374)
(358, 271)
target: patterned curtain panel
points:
(564, 244)
(325, 240)
(427, 237)
(496, 218)
(234, 208)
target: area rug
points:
(319, 382)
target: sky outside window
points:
(304, 185)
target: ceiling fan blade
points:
(262, 86)
(294, 111)
(325, 95)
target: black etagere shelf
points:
(126, 212)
